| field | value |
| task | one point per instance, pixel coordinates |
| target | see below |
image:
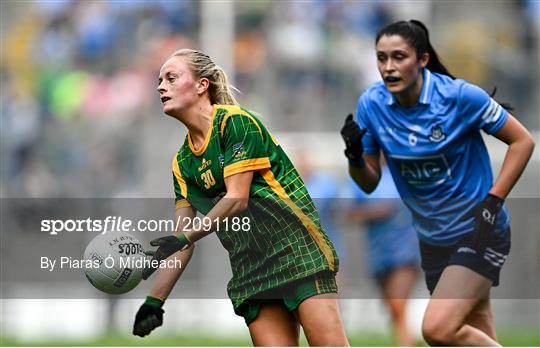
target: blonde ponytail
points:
(223, 90)
(202, 66)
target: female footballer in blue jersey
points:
(427, 124)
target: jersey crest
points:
(437, 134)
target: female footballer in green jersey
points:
(283, 265)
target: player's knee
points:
(397, 308)
(332, 338)
(437, 332)
(324, 327)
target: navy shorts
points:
(436, 258)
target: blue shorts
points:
(436, 258)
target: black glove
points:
(352, 135)
(485, 215)
(148, 317)
(166, 247)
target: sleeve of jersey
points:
(369, 142)
(480, 110)
(244, 146)
(180, 186)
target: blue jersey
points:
(435, 151)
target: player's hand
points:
(485, 215)
(166, 247)
(148, 317)
(352, 135)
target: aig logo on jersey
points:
(437, 134)
(423, 171)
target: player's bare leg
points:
(320, 319)
(274, 326)
(396, 289)
(456, 296)
(482, 318)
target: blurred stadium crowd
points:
(79, 77)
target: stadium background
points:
(80, 118)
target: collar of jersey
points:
(206, 140)
(425, 93)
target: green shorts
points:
(291, 295)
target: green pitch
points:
(508, 337)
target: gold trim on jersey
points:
(206, 140)
(235, 110)
(246, 166)
(178, 176)
(274, 139)
(182, 203)
(317, 284)
(313, 230)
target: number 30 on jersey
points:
(208, 179)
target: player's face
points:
(398, 63)
(177, 86)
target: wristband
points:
(497, 201)
(184, 239)
(154, 301)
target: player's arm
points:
(520, 148)
(150, 314)
(167, 277)
(483, 112)
(236, 200)
(367, 176)
(233, 203)
(480, 111)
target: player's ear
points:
(424, 60)
(202, 85)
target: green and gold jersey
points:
(285, 241)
